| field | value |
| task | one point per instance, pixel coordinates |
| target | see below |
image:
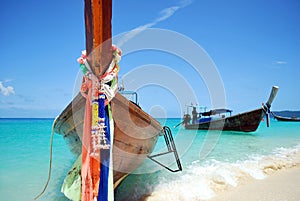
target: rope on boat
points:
(50, 161)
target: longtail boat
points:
(281, 118)
(217, 119)
(135, 132)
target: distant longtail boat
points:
(281, 118)
(217, 120)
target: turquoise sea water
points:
(211, 160)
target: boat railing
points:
(171, 149)
(130, 95)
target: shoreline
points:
(283, 185)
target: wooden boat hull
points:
(245, 122)
(135, 133)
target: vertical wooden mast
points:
(98, 14)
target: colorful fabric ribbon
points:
(97, 141)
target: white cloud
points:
(6, 91)
(280, 62)
(165, 14)
(184, 3)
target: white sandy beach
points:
(283, 185)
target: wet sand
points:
(283, 185)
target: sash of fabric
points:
(106, 190)
(105, 154)
(90, 170)
(97, 140)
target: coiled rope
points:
(50, 162)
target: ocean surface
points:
(212, 161)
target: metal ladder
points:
(171, 149)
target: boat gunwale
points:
(79, 100)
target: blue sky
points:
(253, 44)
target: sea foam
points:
(202, 181)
